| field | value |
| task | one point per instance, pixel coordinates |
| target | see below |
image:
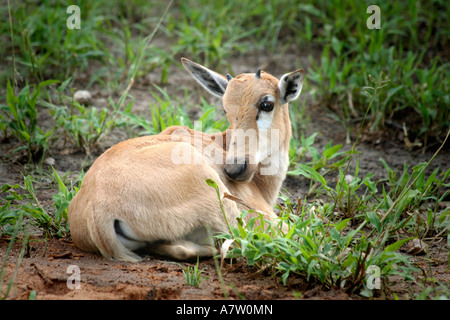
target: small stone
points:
(349, 178)
(417, 247)
(82, 96)
(50, 161)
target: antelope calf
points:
(139, 198)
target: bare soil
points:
(44, 268)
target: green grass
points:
(334, 242)
(22, 201)
(193, 275)
(20, 118)
(418, 94)
(46, 46)
(357, 223)
(320, 246)
(17, 227)
(112, 41)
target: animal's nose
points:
(235, 170)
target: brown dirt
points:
(44, 270)
(44, 267)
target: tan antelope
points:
(139, 198)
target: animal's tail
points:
(112, 238)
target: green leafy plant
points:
(316, 249)
(166, 113)
(421, 200)
(62, 200)
(20, 116)
(206, 32)
(85, 126)
(27, 205)
(312, 247)
(22, 201)
(193, 275)
(318, 244)
(47, 46)
(18, 226)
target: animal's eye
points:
(266, 106)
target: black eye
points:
(266, 106)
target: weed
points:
(166, 111)
(319, 246)
(211, 34)
(315, 249)
(27, 205)
(326, 162)
(351, 52)
(20, 116)
(164, 114)
(62, 200)
(18, 225)
(193, 275)
(47, 46)
(85, 126)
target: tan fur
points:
(169, 206)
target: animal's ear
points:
(290, 85)
(210, 80)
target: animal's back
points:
(125, 183)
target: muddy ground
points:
(43, 271)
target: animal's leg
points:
(185, 250)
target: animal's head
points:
(256, 105)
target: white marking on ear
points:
(213, 82)
(290, 86)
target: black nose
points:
(235, 170)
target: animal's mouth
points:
(236, 171)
